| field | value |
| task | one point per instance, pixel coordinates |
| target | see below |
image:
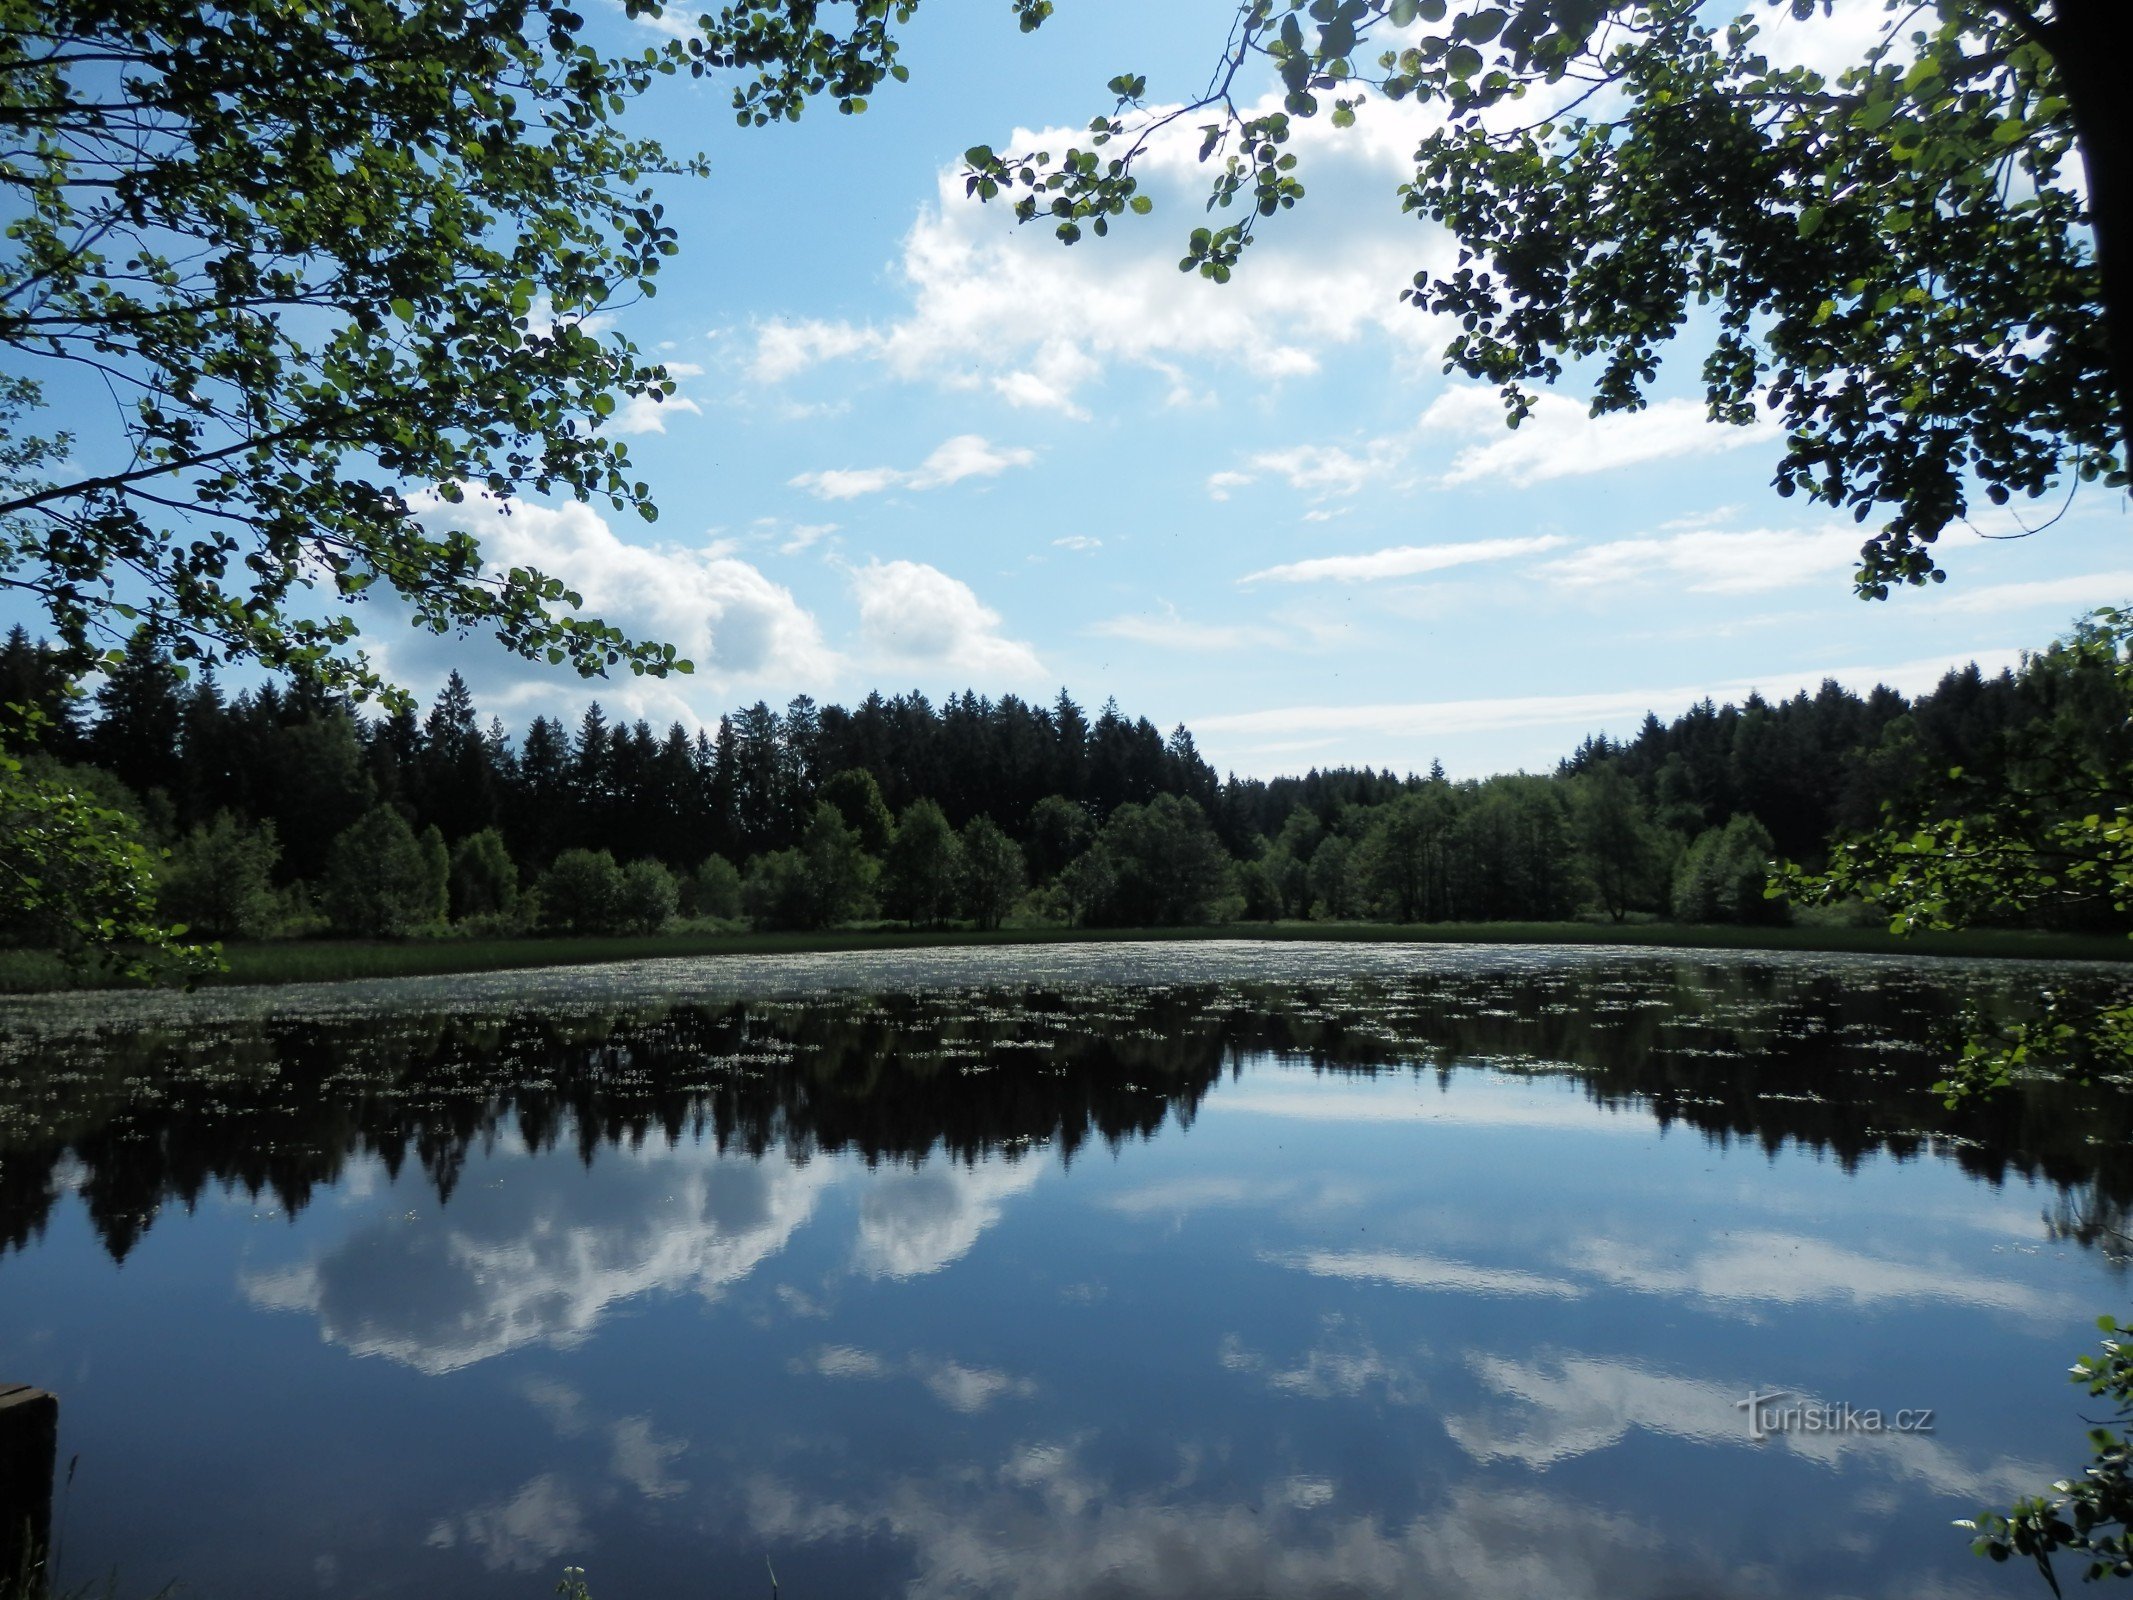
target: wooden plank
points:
(29, 1449)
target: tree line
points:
(280, 811)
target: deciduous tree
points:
(1902, 263)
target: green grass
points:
(322, 960)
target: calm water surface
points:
(1227, 1270)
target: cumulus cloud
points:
(1561, 439)
(528, 1530)
(1035, 1526)
(914, 1223)
(912, 614)
(967, 455)
(1005, 310)
(1403, 561)
(722, 613)
(543, 1265)
(643, 413)
(1571, 1405)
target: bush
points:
(379, 880)
(581, 893)
(1721, 879)
(1154, 865)
(484, 881)
(646, 898)
(920, 875)
(712, 890)
(775, 892)
(992, 873)
(220, 880)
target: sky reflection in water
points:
(1393, 1278)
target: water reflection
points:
(1837, 1059)
(535, 1254)
(1377, 1281)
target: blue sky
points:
(915, 446)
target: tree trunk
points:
(2086, 39)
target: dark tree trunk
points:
(2087, 39)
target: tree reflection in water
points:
(1839, 1059)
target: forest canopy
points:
(288, 812)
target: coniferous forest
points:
(283, 812)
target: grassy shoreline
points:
(325, 961)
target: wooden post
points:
(29, 1449)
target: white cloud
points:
(1166, 630)
(954, 1385)
(541, 1264)
(1403, 561)
(534, 1528)
(1007, 310)
(912, 1223)
(642, 414)
(783, 349)
(1767, 1268)
(2080, 593)
(1078, 541)
(735, 624)
(1561, 439)
(1715, 561)
(1413, 1270)
(1572, 1405)
(1618, 708)
(1318, 469)
(967, 455)
(911, 613)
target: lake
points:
(1199, 1270)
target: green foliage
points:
(380, 881)
(1151, 866)
(921, 875)
(2050, 840)
(840, 876)
(1406, 855)
(338, 263)
(1724, 874)
(1893, 262)
(776, 893)
(1334, 889)
(992, 876)
(1287, 863)
(1057, 832)
(1620, 846)
(2090, 1514)
(581, 893)
(436, 874)
(713, 890)
(858, 800)
(77, 878)
(646, 898)
(220, 880)
(484, 880)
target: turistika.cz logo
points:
(1780, 1411)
